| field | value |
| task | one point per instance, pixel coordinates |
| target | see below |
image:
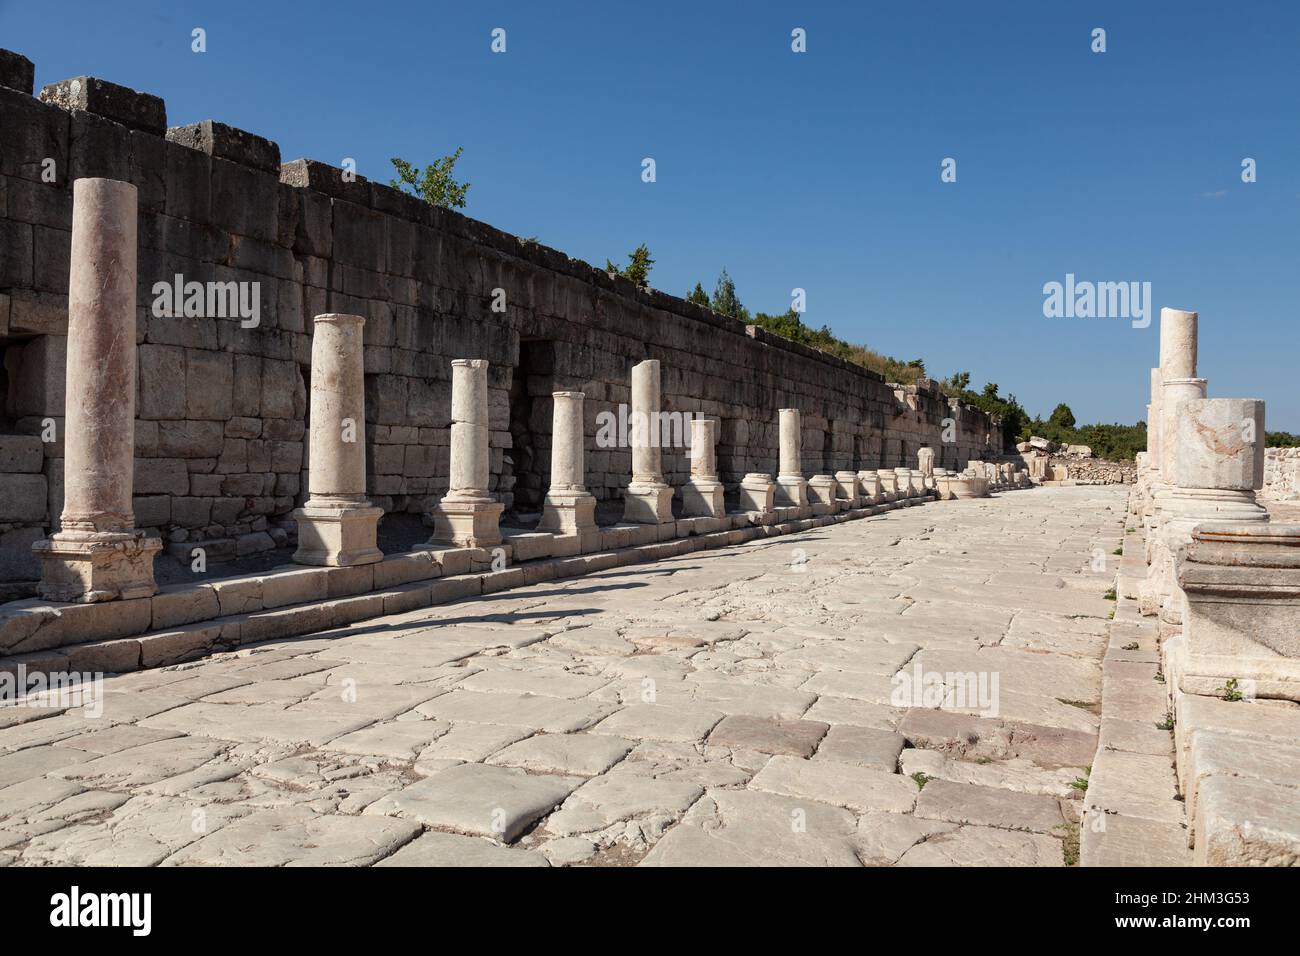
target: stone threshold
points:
(185, 622)
(1132, 812)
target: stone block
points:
(21, 454)
(181, 644)
(162, 382)
(17, 562)
(292, 586)
(209, 385)
(188, 439)
(133, 109)
(180, 604)
(22, 498)
(226, 142)
(37, 376)
(152, 511)
(238, 595)
(399, 569)
(16, 72)
(165, 476)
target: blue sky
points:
(817, 170)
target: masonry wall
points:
(221, 408)
(1281, 474)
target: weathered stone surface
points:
(478, 800)
(297, 836)
(985, 846)
(580, 754)
(744, 828)
(796, 738)
(986, 806)
(845, 785)
(451, 849)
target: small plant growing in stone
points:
(1230, 691)
(1080, 783)
(638, 266)
(1159, 676)
(1167, 723)
(1131, 646)
(1111, 595)
(921, 779)
(434, 184)
(1118, 551)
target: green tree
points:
(959, 382)
(725, 299)
(435, 184)
(699, 296)
(1062, 416)
(638, 266)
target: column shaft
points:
(98, 555)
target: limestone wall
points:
(221, 408)
(1281, 474)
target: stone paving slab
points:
(729, 706)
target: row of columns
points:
(99, 555)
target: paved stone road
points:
(724, 707)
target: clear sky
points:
(818, 170)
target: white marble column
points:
(468, 516)
(98, 554)
(1218, 467)
(791, 488)
(568, 508)
(703, 494)
(337, 526)
(649, 498)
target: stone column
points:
(925, 461)
(98, 554)
(468, 516)
(703, 494)
(649, 498)
(337, 526)
(568, 507)
(1178, 330)
(1218, 468)
(1173, 392)
(791, 489)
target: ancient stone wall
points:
(222, 407)
(1092, 471)
(1281, 474)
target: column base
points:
(88, 567)
(568, 512)
(821, 490)
(474, 523)
(791, 492)
(337, 536)
(703, 498)
(757, 493)
(648, 504)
